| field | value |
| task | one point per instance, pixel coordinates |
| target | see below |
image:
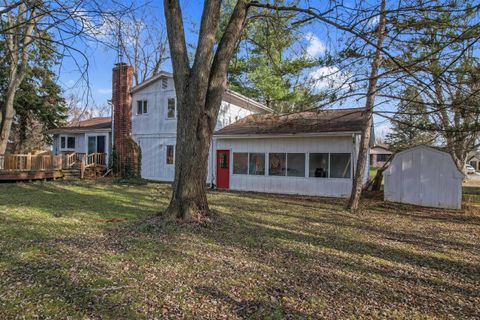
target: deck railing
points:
(29, 162)
(69, 160)
(95, 159)
(42, 162)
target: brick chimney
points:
(126, 151)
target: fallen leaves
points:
(262, 256)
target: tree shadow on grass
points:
(253, 309)
(358, 256)
(59, 199)
(49, 287)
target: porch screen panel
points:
(276, 164)
(256, 164)
(340, 165)
(240, 163)
(318, 165)
(296, 164)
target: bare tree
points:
(357, 185)
(63, 24)
(142, 40)
(201, 84)
(18, 41)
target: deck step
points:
(71, 173)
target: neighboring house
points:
(424, 176)
(84, 137)
(474, 160)
(154, 122)
(308, 153)
(379, 155)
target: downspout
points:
(212, 177)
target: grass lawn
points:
(86, 250)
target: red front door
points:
(223, 169)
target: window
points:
(170, 152)
(340, 165)
(171, 108)
(70, 142)
(240, 163)
(256, 163)
(145, 106)
(67, 142)
(296, 164)
(276, 164)
(142, 107)
(382, 157)
(223, 160)
(164, 83)
(318, 165)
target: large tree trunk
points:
(199, 91)
(194, 134)
(357, 185)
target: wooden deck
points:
(30, 175)
(27, 167)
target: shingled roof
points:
(307, 122)
(85, 125)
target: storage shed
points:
(424, 176)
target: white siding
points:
(80, 146)
(153, 130)
(424, 176)
(154, 163)
(230, 113)
(334, 187)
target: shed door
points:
(223, 169)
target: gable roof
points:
(229, 96)
(98, 123)
(308, 122)
(380, 148)
(437, 150)
(151, 80)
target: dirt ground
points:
(472, 180)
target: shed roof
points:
(98, 123)
(307, 122)
(431, 149)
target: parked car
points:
(469, 169)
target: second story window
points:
(142, 107)
(171, 106)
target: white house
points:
(424, 176)
(154, 122)
(84, 137)
(308, 153)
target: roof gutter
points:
(290, 135)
